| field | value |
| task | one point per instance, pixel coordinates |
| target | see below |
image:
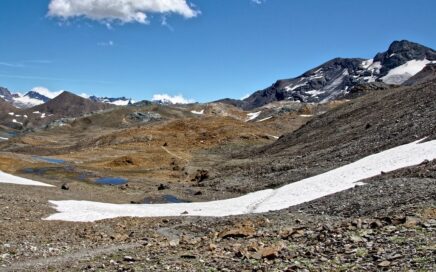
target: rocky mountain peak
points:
(38, 96)
(5, 94)
(404, 46)
(334, 78)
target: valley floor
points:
(387, 224)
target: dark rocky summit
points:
(335, 78)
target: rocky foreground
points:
(388, 224)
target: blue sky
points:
(206, 50)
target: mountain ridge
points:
(334, 78)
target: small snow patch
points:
(291, 88)
(366, 63)
(264, 119)
(16, 122)
(253, 115)
(198, 112)
(315, 92)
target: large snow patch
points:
(334, 181)
(402, 73)
(7, 178)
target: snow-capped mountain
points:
(6, 94)
(29, 100)
(41, 95)
(334, 78)
(36, 96)
(119, 101)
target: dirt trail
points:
(69, 257)
(173, 154)
(170, 233)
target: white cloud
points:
(46, 92)
(176, 99)
(245, 96)
(259, 2)
(84, 95)
(10, 64)
(123, 11)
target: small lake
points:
(165, 199)
(173, 199)
(36, 171)
(49, 160)
(111, 181)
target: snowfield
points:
(331, 182)
(7, 178)
(402, 73)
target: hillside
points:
(69, 105)
(363, 126)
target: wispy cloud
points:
(165, 23)
(27, 77)
(46, 92)
(245, 96)
(106, 44)
(121, 11)
(10, 64)
(23, 63)
(258, 2)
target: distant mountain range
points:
(65, 105)
(119, 101)
(38, 96)
(335, 78)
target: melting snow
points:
(367, 63)
(264, 119)
(289, 88)
(16, 122)
(403, 72)
(333, 86)
(7, 178)
(4, 139)
(305, 190)
(11, 113)
(120, 102)
(375, 67)
(253, 115)
(315, 92)
(27, 101)
(198, 112)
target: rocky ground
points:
(387, 224)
